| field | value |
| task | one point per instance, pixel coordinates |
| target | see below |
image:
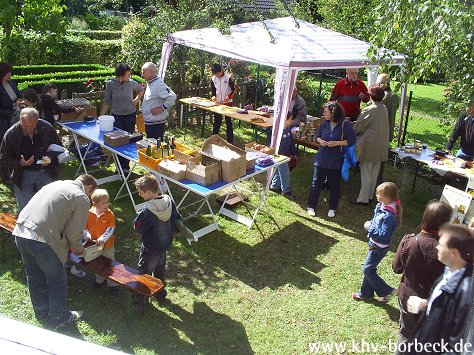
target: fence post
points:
(407, 116)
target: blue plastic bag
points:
(94, 155)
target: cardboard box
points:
(232, 159)
(204, 172)
(79, 116)
(184, 157)
(144, 143)
(115, 139)
(172, 169)
(265, 149)
(251, 158)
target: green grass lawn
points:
(275, 288)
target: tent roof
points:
(297, 44)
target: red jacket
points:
(347, 94)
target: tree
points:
(435, 35)
(38, 15)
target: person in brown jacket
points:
(417, 260)
(372, 128)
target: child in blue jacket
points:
(156, 224)
(387, 217)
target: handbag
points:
(92, 251)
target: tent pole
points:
(321, 76)
(256, 86)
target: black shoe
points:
(355, 202)
(98, 284)
(289, 195)
(161, 296)
(276, 190)
(114, 290)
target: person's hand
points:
(226, 100)
(288, 123)
(322, 142)
(100, 241)
(45, 161)
(213, 98)
(156, 111)
(449, 152)
(416, 304)
(79, 252)
(361, 96)
(28, 162)
(135, 102)
(367, 225)
(333, 143)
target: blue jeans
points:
(464, 156)
(372, 282)
(47, 281)
(281, 178)
(154, 265)
(32, 182)
(126, 123)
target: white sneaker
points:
(311, 211)
(73, 318)
(77, 272)
(331, 213)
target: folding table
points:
(91, 131)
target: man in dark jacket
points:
(447, 309)
(465, 129)
(24, 149)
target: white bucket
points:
(106, 123)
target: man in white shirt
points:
(157, 101)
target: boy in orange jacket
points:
(100, 228)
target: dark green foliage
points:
(97, 34)
(50, 48)
(54, 68)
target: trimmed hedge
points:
(97, 34)
(54, 68)
(72, 84)
(63, 75)
(33, 48)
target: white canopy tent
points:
(287, 44)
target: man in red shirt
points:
(349, 92)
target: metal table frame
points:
(91, 132)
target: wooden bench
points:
(113, 270)
(7, 223)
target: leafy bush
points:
(104, 21)
(29, 70)
(35, 48)
(78, 24)
(62, 75)
(96, 34)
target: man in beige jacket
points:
(49, 225)
(372, 128)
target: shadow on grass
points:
(171, 329)
(287, 257)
